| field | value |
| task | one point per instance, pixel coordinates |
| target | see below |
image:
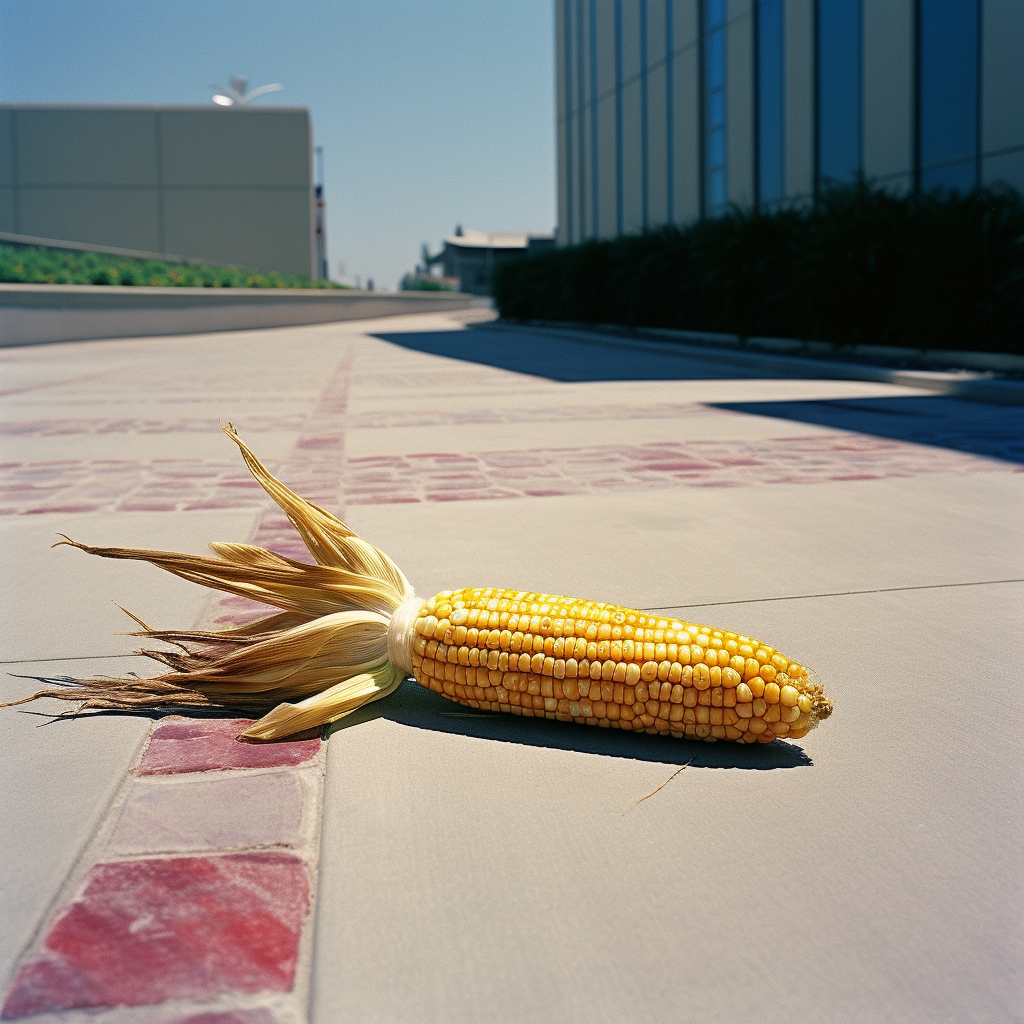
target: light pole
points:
(321, 216)
(235, 94)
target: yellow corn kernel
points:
(701, 677)
(789, 695)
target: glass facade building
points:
(672, 110)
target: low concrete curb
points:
(972, 386)
(196, 894)
(38, 314)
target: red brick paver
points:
(226, 923)
(191, 745)
(386, 479)
(146, 931)
(231, 811)
(257, 1016)
(320, 472)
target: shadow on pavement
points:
(996, 431)
(419, 708)
(563, 359)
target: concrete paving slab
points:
(703, 545)
(934, 371)
(181, 446)
(60, 777)
(496, 876)
(384, 367)
(476, 867)
(568, 358)
(60, 603)
(94, 430)
(498, 869)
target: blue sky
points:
(431, 113)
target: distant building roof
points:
(470, 239)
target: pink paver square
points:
(198, 745)
(257, 1016)
(145, 931)
(226, 811)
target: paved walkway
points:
(427, 863)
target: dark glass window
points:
(839, 89)
(715, 191)
(948, 93)
(770, 102)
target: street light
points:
(235, 94)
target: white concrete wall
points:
(36, 314)
(223, 186)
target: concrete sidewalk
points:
(427, 863)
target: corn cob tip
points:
(821, 708)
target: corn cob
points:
(540, 655)
(350, 628)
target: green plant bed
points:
(860, 266)
(38, 265)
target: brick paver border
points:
(198, 888)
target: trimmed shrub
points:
(860, 266)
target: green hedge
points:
(860, 266)
(37, 265)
